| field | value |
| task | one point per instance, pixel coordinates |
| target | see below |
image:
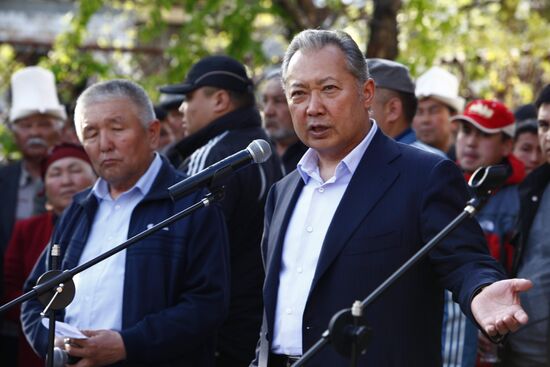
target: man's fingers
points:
(521, 316)
(521, 285)
(504, 326)
(491, 330)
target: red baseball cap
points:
(491, 117)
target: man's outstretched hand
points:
(497, 308)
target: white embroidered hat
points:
(33, 91)
(439, 84)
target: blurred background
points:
(498, 48)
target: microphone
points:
(485, 180)
(62, 358)
(257, 152)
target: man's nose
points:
(315, 104)
(105, 141)
(269, 109)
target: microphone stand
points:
(348, 330)
(55, 289)
(55, 254)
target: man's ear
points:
(368, 92)
(221, 101)
(394, 109)
(153, 131)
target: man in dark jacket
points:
(159, 302)
(221, 118)
(531, 345)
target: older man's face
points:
(119, 146)
(328, 107)
(36, 134)
(277, 119)
(544, 130)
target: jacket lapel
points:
(372, 178)
(285, 202)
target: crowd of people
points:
(367, 166)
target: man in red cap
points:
(485, 137)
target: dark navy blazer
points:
(397, 200)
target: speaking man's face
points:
(328, 106)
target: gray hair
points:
(112, 89)
(316, 39)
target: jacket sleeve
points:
(31, 321)
(202, 303)
(461, 260)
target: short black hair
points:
(544, 96)
(239, 99)
(526, 126)
(409, 103)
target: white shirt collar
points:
(308, 166)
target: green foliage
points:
(9, 65)
(498, 48)
(70, 66)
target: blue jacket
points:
(176, 289)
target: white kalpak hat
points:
(439, 84)
(33, 91)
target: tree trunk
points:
(383, 30)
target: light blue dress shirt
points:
(99, 289)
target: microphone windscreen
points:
(260, 150)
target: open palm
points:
(497, 307)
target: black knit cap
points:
(213, 71)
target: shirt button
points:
(534, 198)
(321, 189)
(309, 229)
(289, 311)
(299, 269)
(117, 207)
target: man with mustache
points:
(36, 120)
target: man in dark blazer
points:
(358, 206)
